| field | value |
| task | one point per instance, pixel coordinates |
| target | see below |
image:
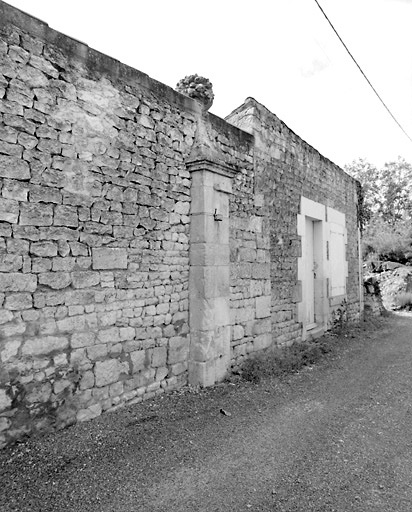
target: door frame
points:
(312, 231)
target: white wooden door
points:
(337, 256)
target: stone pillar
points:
(209, 291)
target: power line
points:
(360, 69)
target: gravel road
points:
(334, 437)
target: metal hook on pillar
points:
(217, 216)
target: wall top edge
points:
(90, 58)
(259, 115)
(110, 67)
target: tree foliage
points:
(387, 208)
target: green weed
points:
(283, 360)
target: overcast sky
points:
(281, 52)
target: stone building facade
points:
(145, 243)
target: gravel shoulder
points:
(333, 437)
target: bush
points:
(386, 242)
(404, 300)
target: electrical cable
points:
(360, 69)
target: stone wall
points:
(102, 172)
(94, 223)
(287, 169)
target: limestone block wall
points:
(250, 288)
(287, 169)
(250, 271)
(94, 227)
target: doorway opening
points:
(314, 278)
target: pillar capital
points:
(206, 155)
(203, 163)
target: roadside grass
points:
(283, 360)
(279, 361)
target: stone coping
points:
(265, 114)
(97, 62)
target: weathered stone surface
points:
(111, 335)
(85, 279)
(79, 359)
(39, 394)
(15, 190)
(108, 372)
(88, 414)
(139, 360)
(74, 323)
(5, 400)
(60, 385)
(14, 168)
(18, 301)
(28, 141)
(87, 381)
(42, 194)
(12, 329)
(8, 134)
(40, 265)
(55, 280)
(178, 349)
(99, 351)
(262, 341)
(78, 249)
(4, 424)
(109, 258)
(82, 339)
(5, 316)
(44, 346)
(36, 215)
(202, 373)
(10, 262)
(263, 305)
(16, 282)
(159, 357)
(44, 249)
(9, 210)
(161, 373)
(17, 246)
(66, 216)
(207, 312)
(44, 65)
(238, 332)
(14, 150)
(63, 264)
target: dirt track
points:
(335, 437)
